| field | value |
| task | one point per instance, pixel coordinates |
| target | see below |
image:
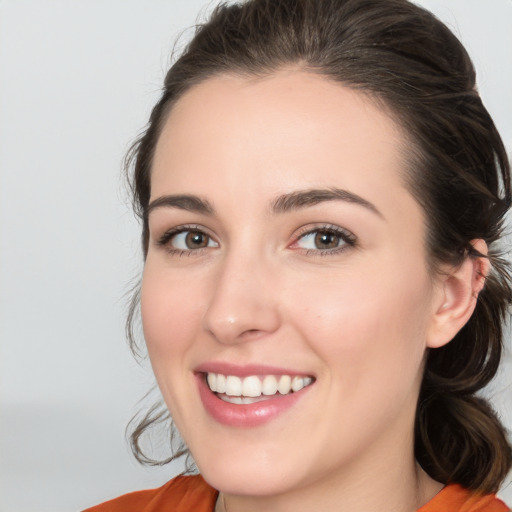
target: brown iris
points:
(196, 240)
(326, 240)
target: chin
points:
(250, 468)
(252, 480)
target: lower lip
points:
(245, 415)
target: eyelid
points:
(169, 234)
(349, 239)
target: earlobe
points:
(457, 295)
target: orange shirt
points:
(193, 494)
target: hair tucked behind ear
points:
(458, 436)
(402, 56)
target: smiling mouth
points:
(252, 389)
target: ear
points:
(456, 296)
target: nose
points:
(243, 303)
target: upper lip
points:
(247, 370)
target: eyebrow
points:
(186, 202)
(304, 198)
(283, 204)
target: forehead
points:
(286, 131)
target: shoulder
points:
(181, 494)
(454, 498)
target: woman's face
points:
(285, 251)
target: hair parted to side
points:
(401, 55)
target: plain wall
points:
(77, 82)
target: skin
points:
(358, 318)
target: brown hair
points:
(403, 56)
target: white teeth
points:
(233, 386)
(285, 384)
(240, 399)
(251, 386)
(297, 383)
(212, 380)
(269, 386)
(221, 383)
(254, 386)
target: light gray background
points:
(77, 81)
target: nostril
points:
(252, 334)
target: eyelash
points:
(348, 239)
(166, 238)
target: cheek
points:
(170, 316)
(371, 324)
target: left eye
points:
(190, 240)
(322, 239)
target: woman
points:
(322, 193)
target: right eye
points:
(183, 240)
